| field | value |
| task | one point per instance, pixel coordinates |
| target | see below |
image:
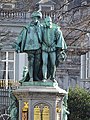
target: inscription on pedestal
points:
(37, 114)
(39, 102)
(46, 113)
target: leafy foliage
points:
(79, 104)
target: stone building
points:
(70, 16)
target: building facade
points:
(14, 15)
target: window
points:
(7, 65)
(46, 7)
(7, 5)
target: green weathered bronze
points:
(53, 48)
(65, 111)
(29, 41)
(25, 72)
(45, 46)
(13, 108)
(49, 84)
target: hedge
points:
(79, 104)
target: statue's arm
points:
(60, 42)
(18, 42)
(65, 110)
(10, 107)
(42, 30)
(60, 46)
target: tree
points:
(79, 104)
(74, 18)
(75, 22)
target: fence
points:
(5, 94)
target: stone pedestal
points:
(39, 101)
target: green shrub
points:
(79, 104)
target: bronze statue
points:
(25, 75)
(45, 46)
(65, 111)
(29, 41)
(53, 46)
(13, 108)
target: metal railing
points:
(5, 94)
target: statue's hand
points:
(59, 50)
(63, 55)
(16, 50)
(13, 46)
(16, 47)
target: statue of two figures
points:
(45, 46)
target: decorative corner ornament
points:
(5, 117)
(58, 109)
(25, 108)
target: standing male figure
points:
(29, 41)
(13, 108)
(52, 42)
(65, 112)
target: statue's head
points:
(48, 21)
(36, 16)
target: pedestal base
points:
(39, 101)
(50, 84)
